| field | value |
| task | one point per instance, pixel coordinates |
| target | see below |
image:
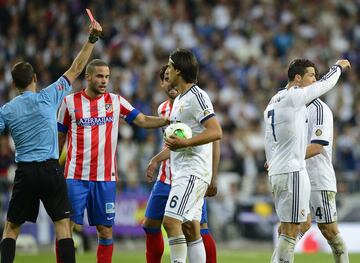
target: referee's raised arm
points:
(82, 58)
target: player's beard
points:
(98, 89)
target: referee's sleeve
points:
(2, 123)
(56, 92)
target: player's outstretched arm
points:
(83, 56)
(145, 121)
(327, 82)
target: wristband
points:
(93, 38)
(340, 67)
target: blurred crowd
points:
(243, 47)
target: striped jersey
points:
(319, 167)
(193, 108)
(164, 175)
(92, 128)
(286, 124)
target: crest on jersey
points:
(206, 112)
(108, 107)
(318, 132)
(181, 108)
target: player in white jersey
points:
(90, 119)
(160, 192)
(191, 169)
(286, 128)
(322, 178)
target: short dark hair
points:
(298, 67)
(22, 74)
(186, 62)
(162, 72)
(90, 68)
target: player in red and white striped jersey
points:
(164, 110)
(90, 119)
(92, 127)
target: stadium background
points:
(243, 48)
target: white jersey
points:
(286, 124)
(319, 167)
(193, 108)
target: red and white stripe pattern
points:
(164, 175)
(93, 126)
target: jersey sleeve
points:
(64, 118)
(159, 109)
(2, 122)
(303, 96)
(56, 92)
(321, 124)
(127, 111)
(202, 106)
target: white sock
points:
(196, 251)
(285, 249)
(339, 249)
(178, 249)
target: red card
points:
(90, 15)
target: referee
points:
(31, 120)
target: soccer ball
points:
(180, 130)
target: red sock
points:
(58, 260)
(105, 251)
(154, 246)
(210, 246)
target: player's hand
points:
(150, 170)
(174, 142)
(344, 64)
(212, 189)
(266, 166)
(95, 29)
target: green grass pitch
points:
(225, 256)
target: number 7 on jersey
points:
(271, 114)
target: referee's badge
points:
(318, 132)
(108, 107)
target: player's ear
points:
(87, 76)
(297, 78)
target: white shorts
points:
(186, 198)
(291, 193)
(323, 206)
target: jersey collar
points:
(182, 95)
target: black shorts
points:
(35, 181)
